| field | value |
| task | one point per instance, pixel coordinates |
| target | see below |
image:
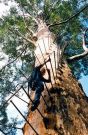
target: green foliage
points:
(54, 12)
(20, 51)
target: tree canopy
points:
(66, 19)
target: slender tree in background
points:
(33, 32)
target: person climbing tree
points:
(36, 81)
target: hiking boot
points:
(35, 105)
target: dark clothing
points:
(36, 82)
(39, 89)
(36, 78)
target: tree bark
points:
(67, 112)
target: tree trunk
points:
(67, 112)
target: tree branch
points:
(20, 34)
(33, 18)
(24, 19)
(14, 59)
(31, 31)
(70, 18)
(82, 55)
(84, 42)
(77, 57)
(52, 5)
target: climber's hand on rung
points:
(49, 59)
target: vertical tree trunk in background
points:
(68, 112)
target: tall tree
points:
(32, 32)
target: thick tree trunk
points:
(67, 113)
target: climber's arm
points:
(49, 78)
(40, 66)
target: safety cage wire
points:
(27, 92)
